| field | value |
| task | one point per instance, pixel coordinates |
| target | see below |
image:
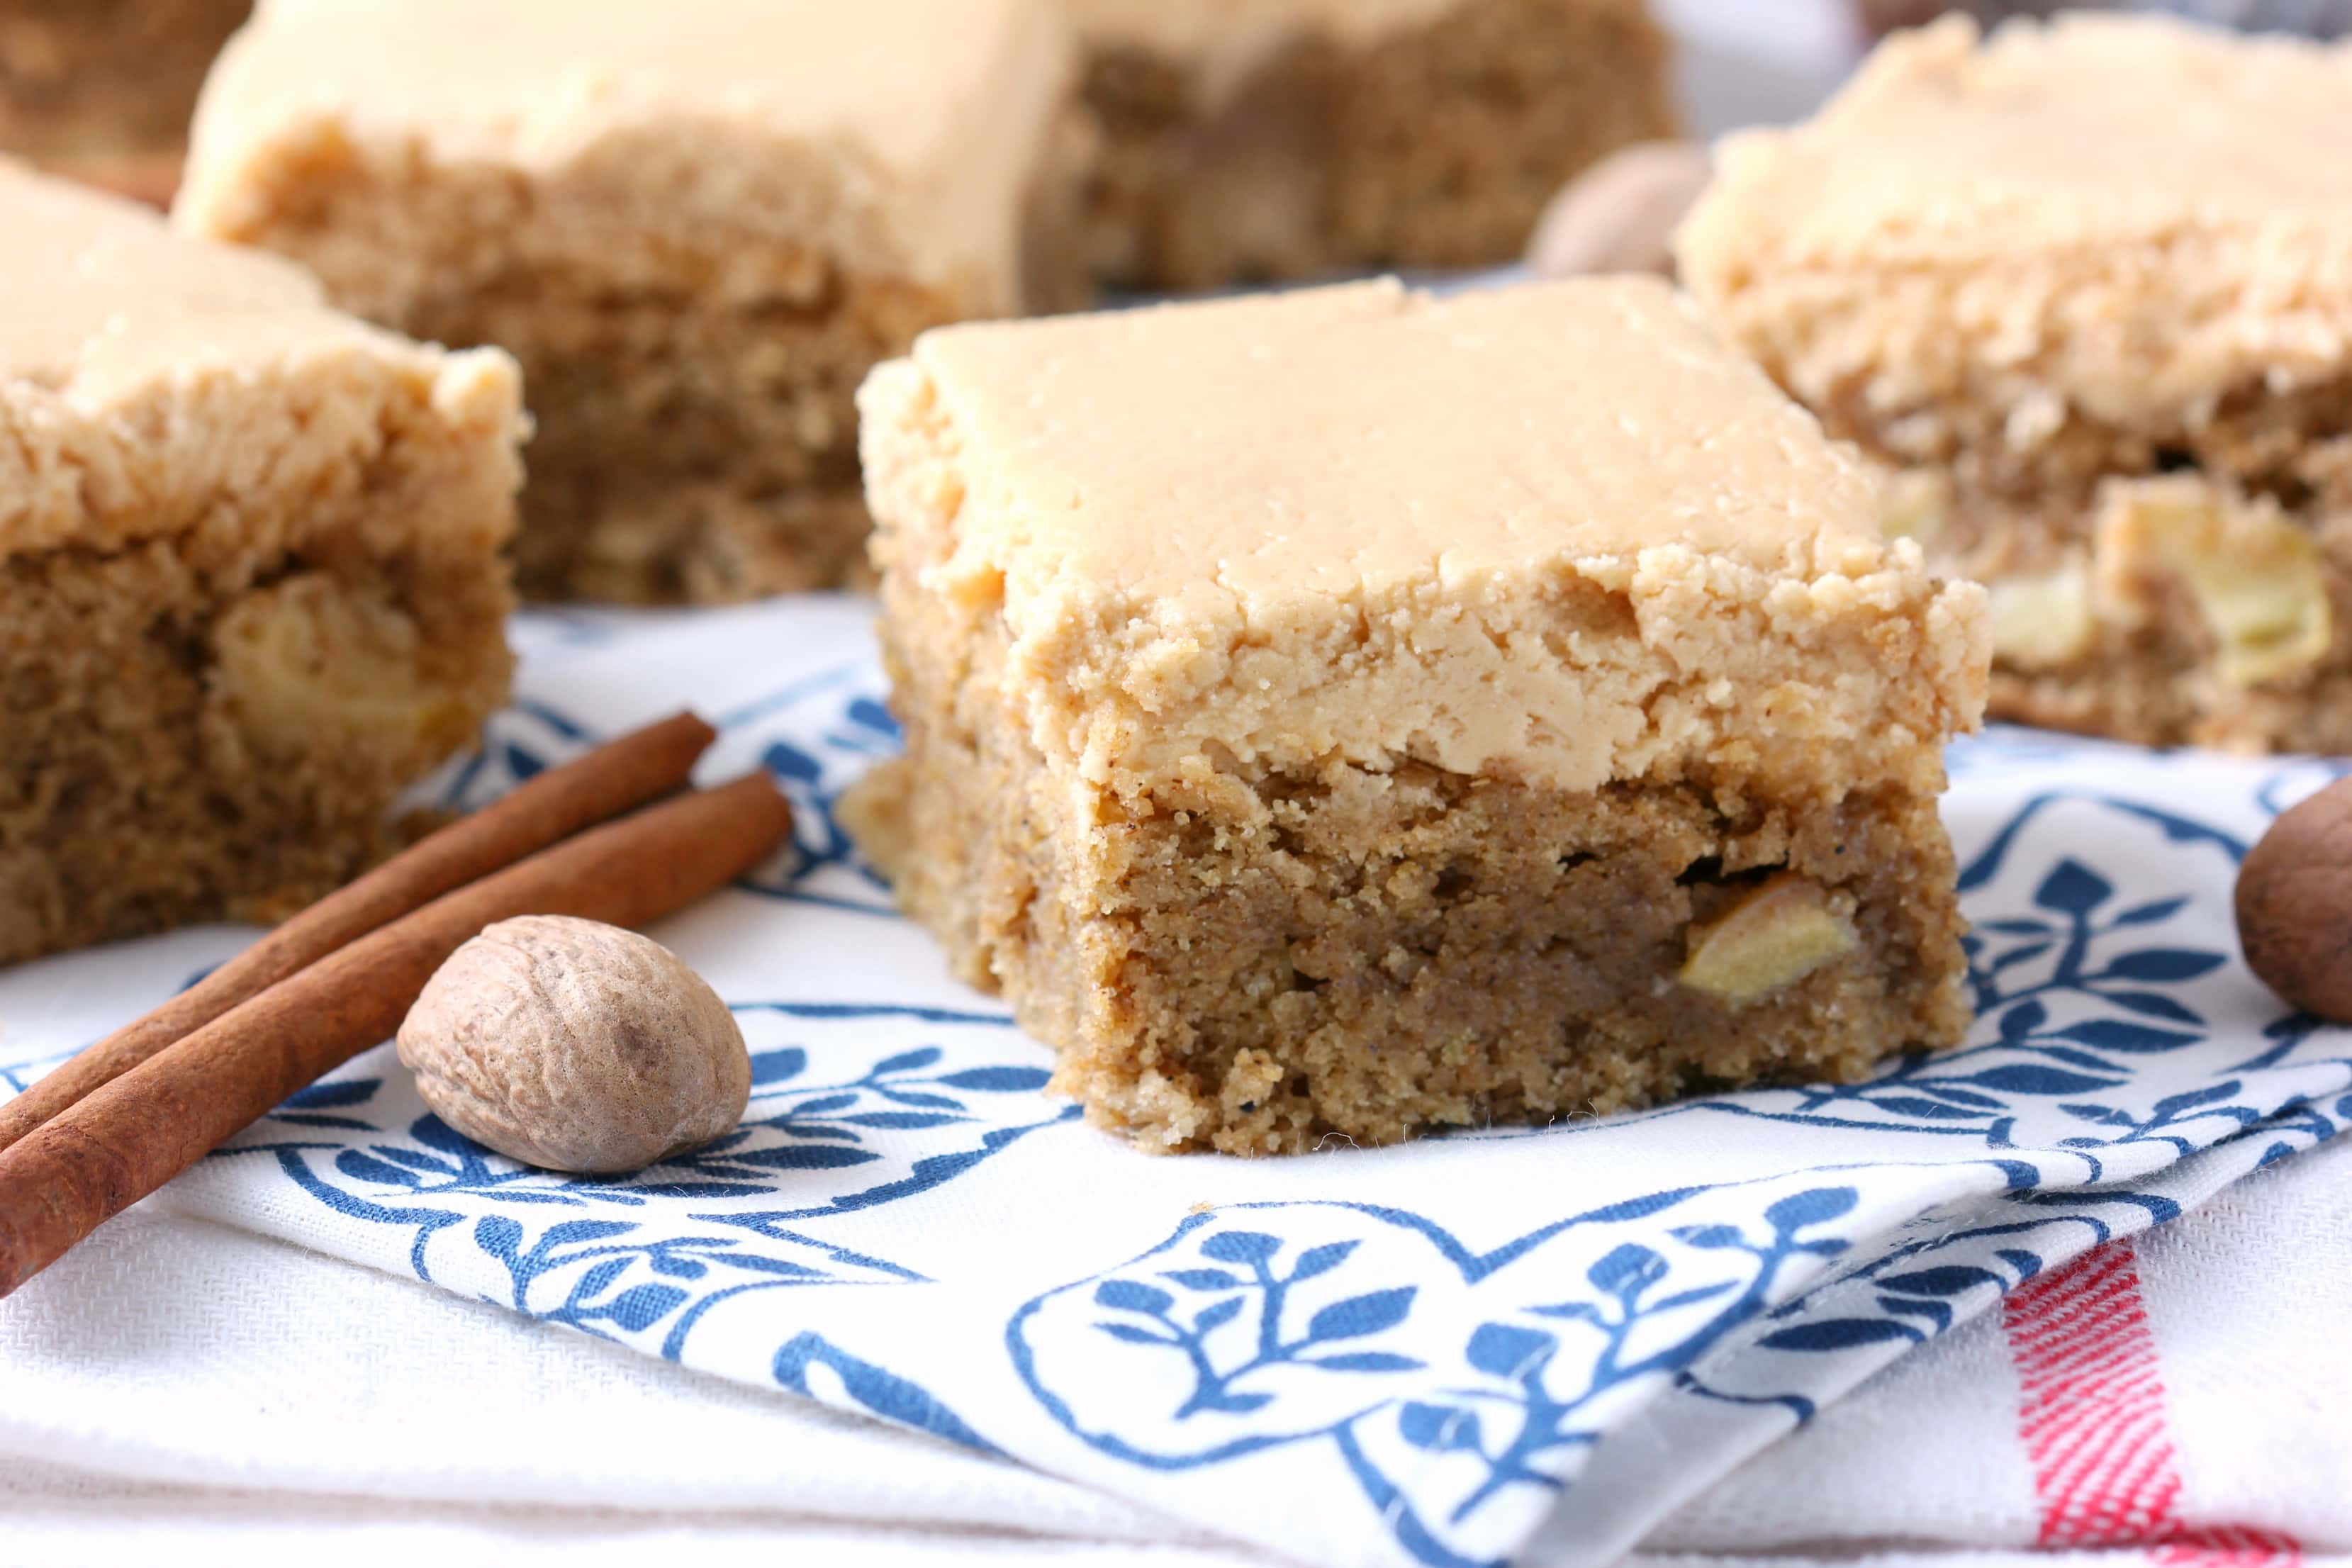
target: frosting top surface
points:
(1353, 437)
(1211, 31)
(103, 296)
(2086, 122)
(536, 76)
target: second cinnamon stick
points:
(615, 777)
(127, 1139)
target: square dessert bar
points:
(1348, 712)
(697, 224)
(84, 80)
(1296, 138)
(2084, 289)
(251, 579)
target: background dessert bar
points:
(94, 80)
(695, 225)
(251, 580)
(2103, 355)
(1296, 138)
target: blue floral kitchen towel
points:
(1427, 1354)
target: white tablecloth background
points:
(180, 1382)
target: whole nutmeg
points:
(576, 1045)
(2294, 904)
(1620, 215)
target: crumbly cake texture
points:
(2105, 353)
(1348, 712)
(695, 225)
(1282, 139)
(251, 581)
(85, 80)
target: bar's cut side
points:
(1339, 139)
(250, 577)
(103, 79)
(693, 443)
(2105, 358)
(1532, 834)
(695, 267)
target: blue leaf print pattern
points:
(867, 1237)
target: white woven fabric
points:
(2248, 1299)
(250, 1366)
(147, 1390)
(1542, 1342)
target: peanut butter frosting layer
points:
(895, 131)
(147, 379)
(1556, 531)
(2126, 213)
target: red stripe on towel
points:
(2106, 1473)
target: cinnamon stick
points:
(127, 1139)
(619, 776)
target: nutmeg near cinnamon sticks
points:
(127, 1137)
(615, 777)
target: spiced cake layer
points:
(2104, 351)
(96, 81)
(1282, 139)
(251, 581)
(697, 225)
(1347, 713)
